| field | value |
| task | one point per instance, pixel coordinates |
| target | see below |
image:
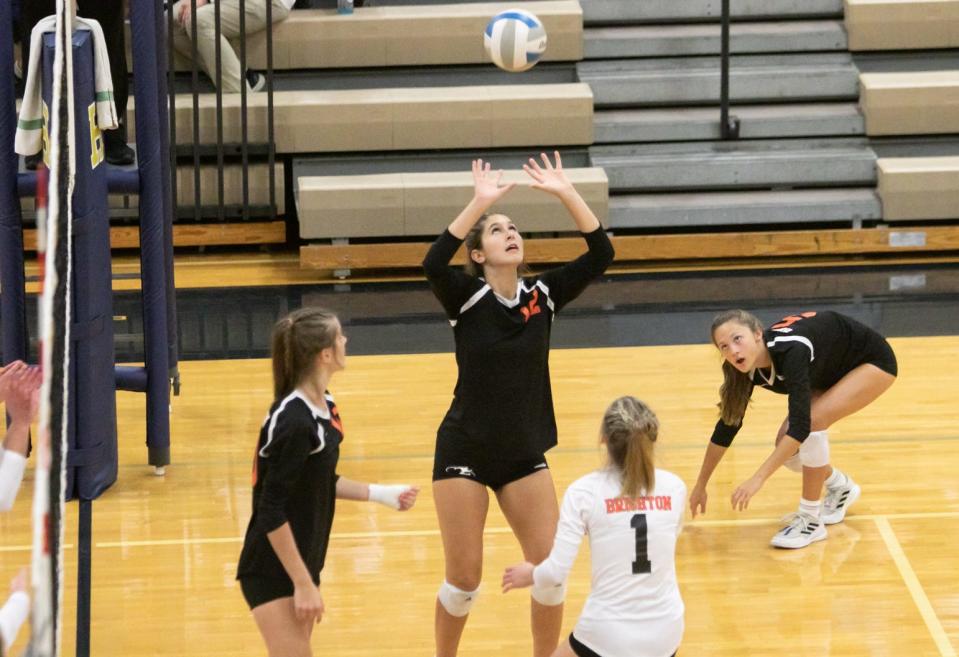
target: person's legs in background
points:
(110, 14)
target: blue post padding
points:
(131, 379)
(168, 209)
(119, 181)
(150, 157)
(13, 309)
(92, 429)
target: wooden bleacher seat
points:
(194, 235)
(902, 24)
(919, 187)
(418, 204)
(419, 35)
(910, 103)
(660, 248)
(419, 118)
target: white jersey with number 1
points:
(634, 607)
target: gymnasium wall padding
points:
(91, 424)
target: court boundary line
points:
(574, 451)
(415, 533)
(911, 580)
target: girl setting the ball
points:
(501, 423)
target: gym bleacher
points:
(847, 122)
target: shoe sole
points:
(854, 494)
(814, 539)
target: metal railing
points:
(728, 125)
(222, 153)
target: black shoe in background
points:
(116, 149)
(257, 81)
(31, 162)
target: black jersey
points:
(294, 480)
(503, 400)
(809, 351)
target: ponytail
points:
(631, 428)
(297, 339)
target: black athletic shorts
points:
(260, 590)
(459, 458)
(583, 651)
(867, 347)
(880, 354)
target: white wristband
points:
(387, 495)
(12, 615)
(12, 465)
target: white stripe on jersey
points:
(320, 433)
(472, 301)
(276, 416)
(794, 338)
(549, 301)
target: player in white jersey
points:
(632, 513)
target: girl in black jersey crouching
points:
(295, 485)
(831, 366)
(501, 422)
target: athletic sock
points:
(810, 507)
(836, 479)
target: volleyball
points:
(515, 39)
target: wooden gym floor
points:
(884, 583)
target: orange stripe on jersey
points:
(792, 319)
(256, 460)
(335, 419)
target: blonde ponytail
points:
(631, 429)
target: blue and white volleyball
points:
(515, 39)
